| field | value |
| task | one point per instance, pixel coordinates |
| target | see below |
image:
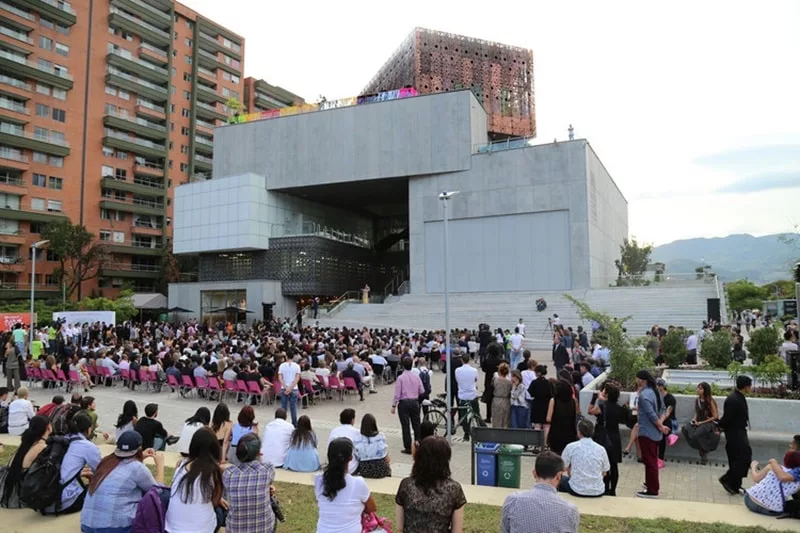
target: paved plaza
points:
(679, 480)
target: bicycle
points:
(437, 414)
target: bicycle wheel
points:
(438, 419)
(477, 421)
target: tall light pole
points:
(444, 197)
(34, 247)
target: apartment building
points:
(262, 96)
(105, 107)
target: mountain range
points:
(759, 259)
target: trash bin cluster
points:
(498, 465)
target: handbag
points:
(372, 523)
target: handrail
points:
(334, 304)
(139, 21)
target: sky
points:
(693, 107)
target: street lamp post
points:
(444, 197)
(35, 246)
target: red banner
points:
(9, 320)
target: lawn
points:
(299, 507)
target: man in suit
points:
(735, 421)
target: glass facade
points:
(219, 299)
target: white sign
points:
(80, 317)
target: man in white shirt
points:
(787, 346)
(516, 348)
(521, 327)
(20, 412)
(347, 429)
(586, 464)
(691, 349)
(276, 439)
(467, 381)
(289, 376)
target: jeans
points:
(516, 358)
(292, 401)
(159, 444)
(756, 508)
(21, 349)
(520, 417)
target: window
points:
(106, 171)
(226, 92)
(45, 64)
(45, 42)
(39, 180)
(226, 75)
(42, 110)
(171, 108)
(61, 70)
(37, 204)
(39, 157)
(56, 183)
(185, 131)
(59, 115)
(187, 95)
(184, 167)
(118, 236)
(111, 90)
(187, 76)
(56, 161)
(50, 279)
(174, 70)
(43, 89)
(188, 23)
(122, 155)
(185, 112)
(169, 164)
(37, 227)
(64, 30)
(104, 283)
(60, 94)
(57, 136)
(174, 36)
(110, 109)
(54, 205)
(184, 149)
(187, 60)
(108, 152)
(171, 126)
(171, 144)
(121, 174)
(125, 95)
(41, 133)
(62, 49)
(46, 23)
(172, 90)
(235, 79)
(187, 42)
(174, 53)
(105, 235)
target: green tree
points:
(79, 255)
(627, 356)
(763, 342)
(235, 108)
(673, 347)
(744, 294)
(715, 349)
(633, 260)
(174, 268)
(122, 305)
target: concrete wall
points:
(535, 179)
(187, 295)
(408, 137)
(608, 220)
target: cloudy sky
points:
(694, 107)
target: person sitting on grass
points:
(82, 458)
(341, 498)
(152, 431)
(248, 486)
(774, 486)
(371, 450)
(32, 443)
(302, 455)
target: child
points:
(520, 412)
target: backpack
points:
(60, 417)
(425, 377)
(151, 511)
(4, 419)
(41, 487)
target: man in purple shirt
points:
(407, 390)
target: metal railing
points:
(205, 71)
(203, 140)
(210, 107)
(151, 9)
(209, 55)
(204, 159)
(139, 224)
(148, 203)
(125, 54)
(13, 105)
(148, 183)
(14, 82)
(158, 51)
(319, 230)
(18, 12)
(130, 77)
(7, 128)
(10, 180)
(135, 140)
(16, 34)
(37, 66)
(394, 283)
(148, 105)
(12, 154)
(137, 120)
(12, 286)
(335, 304)
(506, 144)
(205, 124)
(210, 38)
(652, 279)
(138, 21)
(63, 6)
(132, 267)
(153, 245)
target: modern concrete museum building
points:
(324, 202)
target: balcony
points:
(206, 74)
(137, 206)
(128, 270)
(31, 215)
(151, 53)
(24, 68)
(213, 61)
(150, 14)
(137, 125)
(60, 12)
(204, 127)
(135, 187)
(17, 84)
(145, 228)
(143, 69)
(212, 44)
(142, 87)
(14, 111)
(209, 111)
(134, 144)
(148, 169)
(18, 12)
(135, 247)
(16, 237)
(147, 109)
(120, 19)
(19, 291)
(203, 145)
(13, 185)
(12, 264)
(15, 34)
(19, 138)
(203, 163)
(12, 158)
(208, 94)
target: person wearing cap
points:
(248, 486)
(118, 483)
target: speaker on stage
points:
(713, 310)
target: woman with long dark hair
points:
(609, 416)
(197, 487)
(341, 498)
(371, 450)
(651, 430)
(494, 354)
(302, 455)
(32, 443)
(127, 419)
(120, 481)
(562, 415)
(221, 426)
(245, 423)
(430, 500)
(700, 433)
(540, 391)
(200, 419)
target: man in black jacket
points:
(735, 421)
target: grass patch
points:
(299, 507)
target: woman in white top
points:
(20, 412)
(201, 418)
(341, 498)
(196, 488)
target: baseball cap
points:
(128, 444)
(660, 382)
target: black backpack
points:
(41, 487)
(60, 417)
(4, 419)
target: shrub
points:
(716, 349)
(772, 371)
(673, 348)
(763, 342)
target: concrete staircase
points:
(664, 305)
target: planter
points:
(680, 377)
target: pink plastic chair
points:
(186, 384)
(173, 382)
(335, 385)
(255, 390)
(309, 388)
(74, 378)
(350, 385)
(125, 374)
(230, 388)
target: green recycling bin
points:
(509, 467)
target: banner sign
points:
(385, 96)
(9, 320)
(81, 317)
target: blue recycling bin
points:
(486, 463)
